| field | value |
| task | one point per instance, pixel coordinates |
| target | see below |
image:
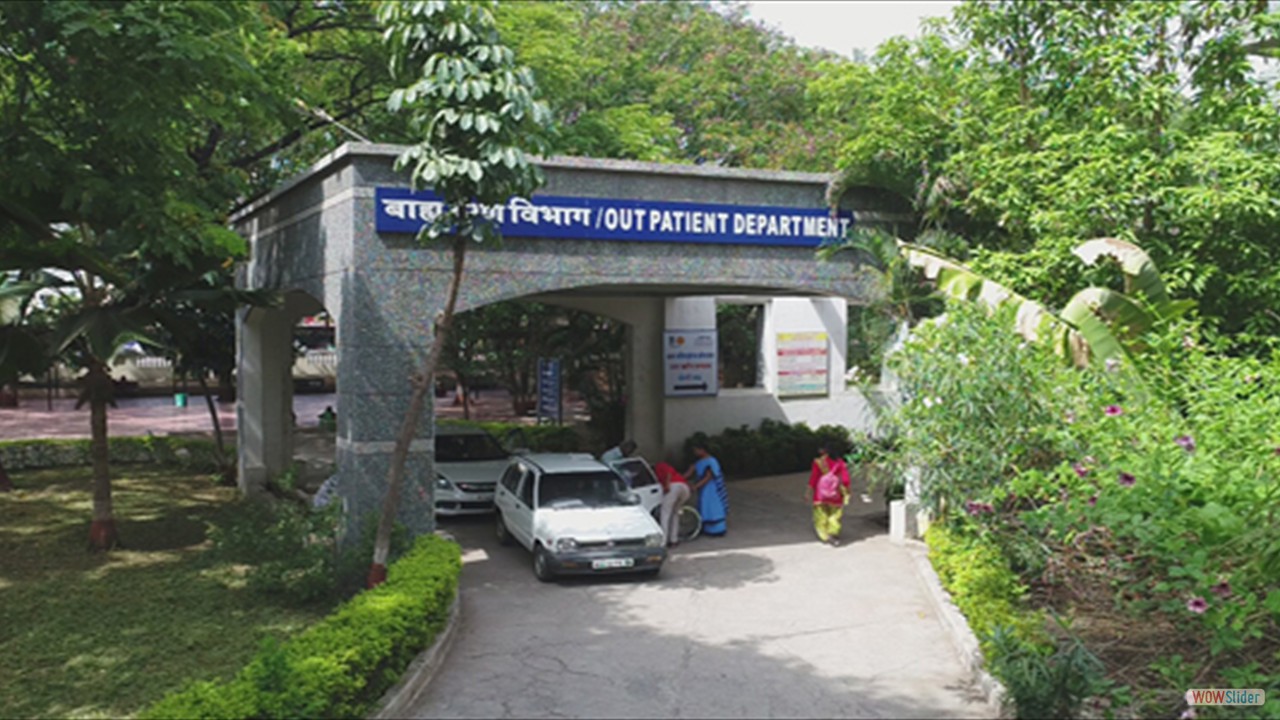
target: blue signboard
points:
(549, 389)
(400, 210)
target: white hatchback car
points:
(576, 516)
(469, 462)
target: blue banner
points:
(549, 389)
(400, 210)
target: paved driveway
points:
(762, 623)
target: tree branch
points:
(297, 134)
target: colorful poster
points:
(802, 363)
(689, 363)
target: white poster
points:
(802, 363)
(689, 362)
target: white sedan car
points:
(576, 516)
(469, 462)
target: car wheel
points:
(542, 564)
(500, 528)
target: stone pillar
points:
(380, 345)
(645, 397)
(264, 400)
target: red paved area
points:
(158, 416)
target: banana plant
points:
(1096, 325)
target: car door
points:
(507, 498)
(642, 481)
(520, 520)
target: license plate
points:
(612, 563)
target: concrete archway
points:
(319, 234)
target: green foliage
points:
(979, 405)
(1140, 493)
(1043, 685)
(977, 575)
(689, 81)
(472, 105)
(775, 448)
(341, 666)
(161, 614)
(536, 438)
(1029, 127)
(193, 455)
(297, 552)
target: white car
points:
(469, 462)
(576, 516)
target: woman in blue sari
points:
(713, 496)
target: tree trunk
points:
(102, 531)
(213, 415)
(466, 398)
(422, 384)
(6, 484)
(226, 389)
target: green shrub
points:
(344, 664)
(978, 577)
(775, 448)
(192, 454)
(1046, 684)
(536, 438)
(294, 551)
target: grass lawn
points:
(85, 634)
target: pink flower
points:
(1127, 479)
(1197, 605)
(1113, 410)
(1222, 589)
(1081, 470)
(1186, 442)
(1188, 714)
(1093, 501)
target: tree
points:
(476, 114)
(197, 331)
(1030, 127)
(129, 129)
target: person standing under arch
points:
(713, 496)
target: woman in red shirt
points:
(675, 492)
(829, 491)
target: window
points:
(526, 489)
(468, 448)
(739, 328)
(580, 489)
(511, 478)
(635, 473)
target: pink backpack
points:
(828, 486)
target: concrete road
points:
(764, 622)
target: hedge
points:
(538, 438)
(195, 454)
(982, 585)
(775, 448)
(343, 665)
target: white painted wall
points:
(737, 407)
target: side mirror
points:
(631, 498)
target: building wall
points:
(683, 416)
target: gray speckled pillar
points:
(380, 350)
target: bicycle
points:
(688, 522)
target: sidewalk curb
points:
(397, 701)
(958, 630)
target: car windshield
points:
(468, 448)
(579, 490)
